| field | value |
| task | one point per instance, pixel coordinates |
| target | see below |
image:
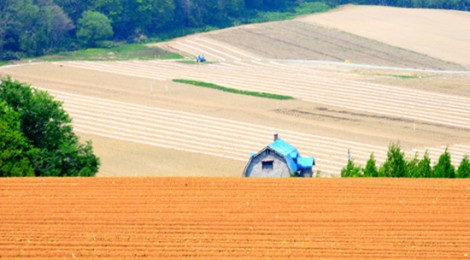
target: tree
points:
(56, 24)
(395, 164)
(444, 167)
(94, 27)
(351, 170)
(75, 8)
(412, 170)
(6, 20)
(255, 4)
(464, 168)
(48, 128)
(275, 4)
(15, 152)
(371, 167)
(32, 27)
(424, 167)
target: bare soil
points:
(234, 217)
(299, 40)
(442, 34)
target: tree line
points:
(36, 136)
(463, 5)
(397, 165)
(37, 27)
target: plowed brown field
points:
(220, 217)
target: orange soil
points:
(224, 217)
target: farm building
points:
(279, 159)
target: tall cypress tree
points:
(395, 164)
(444, 167)
(371, 167)
(464, 168)
(424, 166)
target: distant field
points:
(144, 124)
(304, 41)
(212, 218)
(442, 34)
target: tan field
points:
(143, 124)
(443, 34)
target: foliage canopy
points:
(396, 165)
(94, 27)
(38, 138)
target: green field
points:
(233, 90)
(121, 52)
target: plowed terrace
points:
(223, 217)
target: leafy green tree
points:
(33, 27)
(75, 8)
(395, 164)
(255, 4)
(15, 152)
(144, 17)
(55, 24)
(235, 7)
(464, 168)
(94, 27)
(444, 167)
(48, 129)
(275, 4)
(6, 19)
(371, 167)
(351, 170)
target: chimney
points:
(276, 136)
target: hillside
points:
(234, 217)
(442, 34)
(373, 35)
(144, 124)
(303, 41)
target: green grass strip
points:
(119, 52)
(232, 90)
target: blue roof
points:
(305, 162)
(284, 148)
(293, 158)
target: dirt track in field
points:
(217, 218)
(143, 124)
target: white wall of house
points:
(267, 164)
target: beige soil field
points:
(442, 34)
(298, 40)
(216, 218)
(143, 124)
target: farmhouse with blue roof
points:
(279, 159)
